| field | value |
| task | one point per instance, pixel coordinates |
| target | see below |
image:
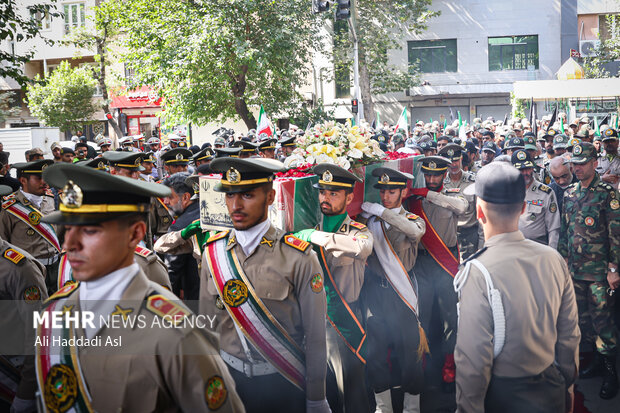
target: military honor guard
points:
(203, 157)
(267, 148)
(395, 346)
(518, 343)
(248, 148)
(21, 218)
(176, 160)
(267, 290)
(590, 243)
(436, 265)
(287, 145)
(469, 234)
(22, 281)
(541, 220)
(342, 245)
(153, 369)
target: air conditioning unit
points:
(587, 48)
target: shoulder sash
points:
(32, 217)
(251, 315)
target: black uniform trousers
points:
(271, 393)
(392, 339)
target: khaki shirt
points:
(468, 219)
(540, 312)
(442, 211)
(160, 217)
(606, 166)
(18, 233)
(155, 369)
(281, 276)
(345, 253)
(173, 243)
(541, 218)
(22, 281)
(154, 268)
(404, 233)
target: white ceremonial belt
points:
(49, 261)
(249, 369)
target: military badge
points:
(179, 157)
(614, 204)
(450, 152)
(296, 243)
(32, 294)
(316, 283)
(233, 176)
(385, 178)
(34, 218)
(521, 156)
(357, 225)
(72, 195)
(101, 166)
(327, 176)
(138, 161)
(577, 150)
(235, 293)
(553, 207)
(589, 221)
(60, 389)
(218, 303)
(432, 165)
(30, 232)
(551, 132)
(215, 393)
(163, 307)
(13, 256)
(609, 132)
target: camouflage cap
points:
(530, 143)
(560, 142)
(583, 152)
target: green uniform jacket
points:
(590, 235)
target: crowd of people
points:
(487, 286)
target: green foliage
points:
(382, 24)
(303, 115)
(607, 51)
(211, 60)
(518, 106)
(6, 108)
(18, 28)
(65, 98)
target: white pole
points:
(356, 75)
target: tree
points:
(381, 26)
(303, 115)
(607, 51)
(213, 60)
(16, 28)
(6, 107)
(100, 39)
(65, 98)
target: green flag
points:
(562, 124)
(596, 127)
(460, 120)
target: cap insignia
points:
(179, 157)
(521, 156)
(138, 161)
(577, 150)
(100, 165)
(609, 132)
(450, 152)
(45, 165)
(432, 165)
(551, 132)
(72, 195)
(327, 176)
(233, 176)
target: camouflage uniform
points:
(589, 240)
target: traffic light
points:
(343, 11)
(354, 106)
(319, 6)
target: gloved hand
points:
(317, 406)
(24, 406)
(305, 234)
(420, 192)
(191, 229)
(448, 372)
(373, 208)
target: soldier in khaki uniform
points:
(279, 272)
(517, 348)
(129, 164)
(437, 262)
(22, 281)
(469, 234)
(609, 162)
(176, 160)
(343, 245)
(203, 157)
(147, 367)
(21, 213)
(390, 297)
(541, 220)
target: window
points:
(44, 20)
(513, 53)
(433, 56)
(74, 16)
(609, 26)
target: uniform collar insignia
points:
(267, 242)
(123, 312)
(343, 228)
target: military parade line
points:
(342, 268)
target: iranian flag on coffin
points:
(264, 126)
(296, 206)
